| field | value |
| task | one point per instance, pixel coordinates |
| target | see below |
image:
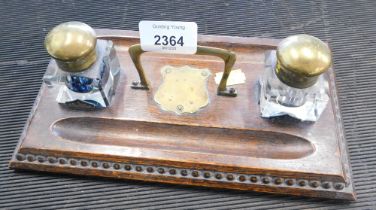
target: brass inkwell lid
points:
(301, 59)
(72, 45)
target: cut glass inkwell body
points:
(292, 83)
(87, 69)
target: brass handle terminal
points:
(228, 57)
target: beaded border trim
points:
(182, 172)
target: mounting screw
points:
(180, 108)
(135, 83)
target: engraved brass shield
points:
(183, 90)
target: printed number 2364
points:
(165, 40)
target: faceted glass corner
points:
(93, 88)
(277, 98)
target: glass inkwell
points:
(87, 69)
(293, 82)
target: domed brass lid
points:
(301, 59)
(72, 44)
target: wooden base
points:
(226, 144)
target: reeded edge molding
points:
(342, 140)
(202, 175)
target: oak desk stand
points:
(225, 145)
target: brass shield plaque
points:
(183, 90)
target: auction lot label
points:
(168, 36)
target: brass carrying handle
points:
(229, 58)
